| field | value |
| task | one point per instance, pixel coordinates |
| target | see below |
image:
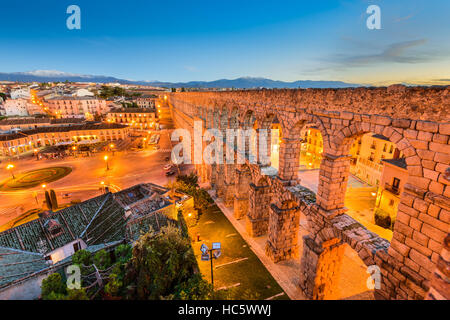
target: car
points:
(167, 167)
(170, 173)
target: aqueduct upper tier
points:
(413, 264)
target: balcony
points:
(392, 189)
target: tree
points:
(48, 200)
(53, 288)
(102, 260)
(159, 264)
(53, 200)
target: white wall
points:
(66, 251)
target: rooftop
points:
(401, 163)
(98, 221)
(132, 110)
(39, 120)
(380, 136)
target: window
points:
(76, 247)
(396, 183)
(391, 202)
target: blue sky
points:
(209, 40)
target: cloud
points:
(191, 68)
(398, 52)
(404, 18)
(393, 53)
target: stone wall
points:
(415, 119)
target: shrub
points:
(53, 288)
(123, 253)
(382, 218)
(102, 260)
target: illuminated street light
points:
(106, 160)
(43, 186)
(10, 167)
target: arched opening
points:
(249, 147)
(274, 134)
(376, 180)
(311, 149)
(341, 274)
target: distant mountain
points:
(239, 83)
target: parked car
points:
(167, 167)
(170, 173)
(156, 147)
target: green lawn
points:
(33, 178)
(250, 273)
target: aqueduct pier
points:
(416, 263)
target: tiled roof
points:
(380, 136)
(401, 163)
(140, 226)
(132, 110)
(16, 264)
(98, 221)
(108, 224)
(34, 237)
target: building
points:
(311, 148)
(82, 93)
(16, 143)
(393, 178)
(136, 118)
(7, 125)
(31, 251)
(76, 107)
(17, 107)
(23, 93)
(367, 153)
(146, 101)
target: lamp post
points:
(106, 160)
(111, 148)
(9, 167)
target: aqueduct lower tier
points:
(415, 264)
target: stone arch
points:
(345, 138)
(216, 118)
(210, 118)
(234, 118)
(224, 119)
(248, 119)
(323, 258)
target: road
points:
(126, 169)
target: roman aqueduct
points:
(415, 264)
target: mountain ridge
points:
(238, 83)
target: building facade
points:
(76, 107)
(24, 141)
(368, 153)
(393, 179)
(136, 118)
(17, 107)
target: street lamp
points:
(10, 167)
(106, 160)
